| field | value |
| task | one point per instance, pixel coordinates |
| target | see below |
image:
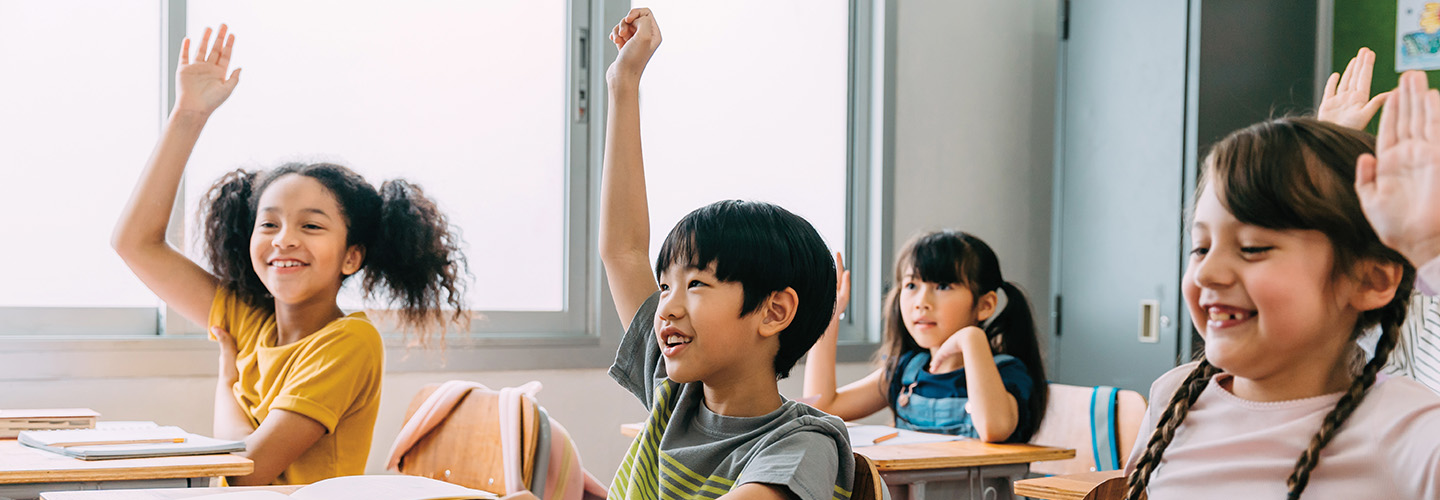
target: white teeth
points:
(286, 263)
(674, 339)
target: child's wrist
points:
(1422, 252)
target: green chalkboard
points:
(1369, 23)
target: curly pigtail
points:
(228, 219)
(416, 260)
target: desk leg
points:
(974, 483)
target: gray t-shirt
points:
(684, 450)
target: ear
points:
(778, 311)
(986, 306)
(354, 257)
(1377, 283)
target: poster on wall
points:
(1417, 35)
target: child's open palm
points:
(637, 36)
(1347, 100)
(1400, 190)
(201, 86)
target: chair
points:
(497, 441)
(1100, 423)
(465, 448)
(868, 484)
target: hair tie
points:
(1000, 302)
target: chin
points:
(678, 374)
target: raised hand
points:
(1400, 190)
(1347, 100)
(201, 86)
(637, 36)
(842, 288)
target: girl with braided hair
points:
(1284, 276)
(299, 380)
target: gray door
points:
(1120, 177)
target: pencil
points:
(886, 437)
(121, 441)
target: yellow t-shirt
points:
(331, 376)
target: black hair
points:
(959, 258)
(413, 261)
(765, 249)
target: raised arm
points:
(139, 235)
(624, 215)
(856, 400)
(1400, 189)
(1347, 100)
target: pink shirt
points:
(1231, 448)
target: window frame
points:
(586, 332)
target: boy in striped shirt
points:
(744, 290)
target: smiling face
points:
(934, 311)
(1266, 301)
(298, 245)
(700, 330)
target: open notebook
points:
(109, 442)
(378, 487)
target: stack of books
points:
(12, 422)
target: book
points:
(12, 422)
(141, 442)
(377, 487)
(883, 435)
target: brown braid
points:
(1185, 395)
(1391, 317)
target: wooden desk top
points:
(1067, 487)
(21, 464)
(963, 453)
(156, 494)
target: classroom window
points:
(435, 92)
(443, 93)
(728, 113)
(80, 96)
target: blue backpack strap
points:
(1102, 428)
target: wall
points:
(975, 127)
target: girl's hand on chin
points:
(949, 356)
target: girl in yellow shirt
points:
(299, 379)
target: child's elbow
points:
(996, 431)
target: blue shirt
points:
(935, 402)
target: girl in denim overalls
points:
(960, 354)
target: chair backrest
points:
(1089, 419)
(465, 447)
(868, 485)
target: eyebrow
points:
(303, 211)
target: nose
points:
(922, 298)
(1213, 271)
(670, 307)
(284, 238)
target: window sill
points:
(79, 357)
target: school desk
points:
(1073, 486)
(952, 469)
(25, 471)
(158, 494)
